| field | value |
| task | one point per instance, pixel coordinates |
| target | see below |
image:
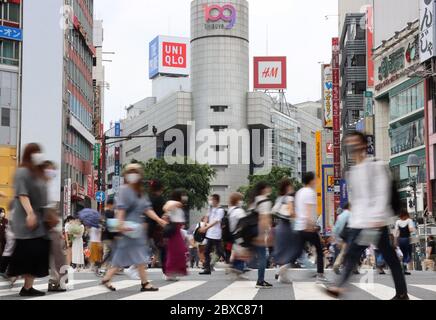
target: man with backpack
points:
(213, 231)
(371, 195)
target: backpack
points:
(247, 228)
(225, 226)
(198, 236)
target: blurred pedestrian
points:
(96, 249)
(202, 245)
(68, 238)
(108, 237)
(213, 233)
(370, 191)
(306, 223)
(176, 247)
(404, 227)
(3, 225)
(31, 254)
(431, 253)
(5, 258)
(284, 212)
(131, 248)
(76, 229)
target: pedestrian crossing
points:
(211, 289)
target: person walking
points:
(3, 225)
(404, 227)
(5, 258)
(202, 245)
(68, 238)
(32, 245)
(430, 252)
(370, 189)
(236, 213)
(176, 265)
(76, 230)
(284, 233)
(107, 237)
(213, 233)
(131, 248)
(96, 249)
(340, 230)
(306, 224)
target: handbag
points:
(51, 218)
(169, 230)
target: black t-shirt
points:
(432, 245)
(157, 202)
(106, 235)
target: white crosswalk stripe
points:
(425, 287)
(167, 291)
(43, 286)
(379, 291)
(239, 290)
(88, 292)
(309, 291)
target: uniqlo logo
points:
(174, 55)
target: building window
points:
(133, 151)
(6, 117)
(9, 52)
(219, 128)
(407, 137)
(407, 101)
(303, 157)
(10, 12)
(219, 148)
(142, 130)
(219, 108)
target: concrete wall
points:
(309, 126)
(9, 100)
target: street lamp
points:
(413, 164)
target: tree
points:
(194, 178)
(272, 178)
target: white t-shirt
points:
(215, 214)
(95, 235)
(304, 197)
(177, 216)
(235, 214)
(402, 224)
(264, 205)
(282, 205)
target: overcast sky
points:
(297, 29)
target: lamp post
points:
(413, 164)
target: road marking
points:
(309, 291)
(166, 291)
(16, 290)
(379, 291)
(425, 287)
(238, 290)
(88, 292)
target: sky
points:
(297, 29)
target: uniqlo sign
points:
(174, 55)
(169, 56)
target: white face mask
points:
(50, 173)
(2, 215)
(38, 159)
(210, 203)
(133, 178)
(185, 199)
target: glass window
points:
(407, 137)
(14, 12)
(219, 108)
(6, 117)
(407, 101)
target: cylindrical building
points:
(220, 78)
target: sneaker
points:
(401, 297)
(407, 273)
(263, 285)
(171, 279)
(321, 279)
(31, 293)
(55, 288)
(205, 273)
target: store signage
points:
(319, 191)
(336, 119)
(67, 197)
(369, 45)
(117, 129)
(369, 103)
(270, 73)
(398, 64)
(329, 150)
(330, 184)
(215, 13)
(11, 33)
(427, 26)
(90, 186)
(328, 96)
(169, 56)
(97, 154)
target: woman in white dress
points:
(78, 257)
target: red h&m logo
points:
(174, 55)
(270, 72)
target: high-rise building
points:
(58, 93)
(10, 48)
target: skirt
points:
(284, 243)
(176, 262)
(30, 257)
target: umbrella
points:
(90, 218)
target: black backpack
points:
(225, 226)
(198, 236)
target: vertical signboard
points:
(327, 83)
(336, 120)
(427, 10)
(319, 172)
(117, 129)
(97, 153)
(90, 186)
(67, 198)
(369, 45)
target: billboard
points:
(328, 96)
(427, 36)
(370, 45)
(215, 13)
(270, 73)
(169, 56)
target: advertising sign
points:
(328, 96)
(169, 56)
(215, 13)
(370, 45)
(67, 197)
(330, 184)
(116, 183)
(90, 186)
(270, 73)
(369, 103)
(319, 171)
(117, 129)
(336, 119)
(427, 11)
(97, 154)
(11, 33)
(329, 150)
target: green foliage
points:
(273, 178)
(194, 178)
